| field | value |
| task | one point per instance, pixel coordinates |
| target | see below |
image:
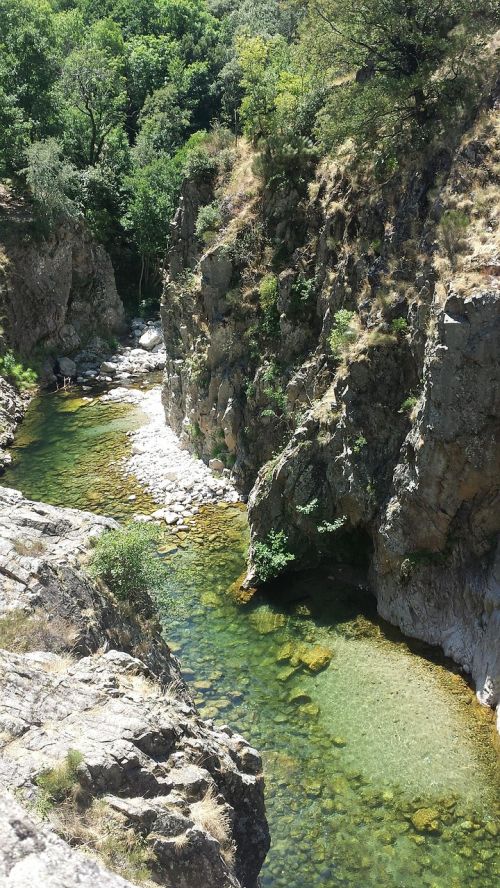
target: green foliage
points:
(200, 166)
(359, 443)
(343, 334)
(208, 221)
(399, 326)
(408, 404)
(57, 784)
(268, 301)
(332, 526)
(125, 560)
(16, 373)
(301, 297)
(52, 180)
(271, 557)
(309, 508)
(274, 392)
(403, 69)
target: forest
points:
(105, 107)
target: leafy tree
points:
(93, 88)
(28, 71)
(52, 180)
(163, 125)
(395, 67)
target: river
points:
(382, 769)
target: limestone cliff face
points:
(55, 291)
(385, 454)
(90, 690)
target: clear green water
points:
(389, 729)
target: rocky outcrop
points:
(379, 448)
(12, 407)
(56, 290)
(30, 854)
(98, 732)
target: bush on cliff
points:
(126, 561)
(271, 557)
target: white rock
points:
(150, 338)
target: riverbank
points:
(98, 733)
(170, 474)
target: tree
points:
(28, 69)
(163, 125)
(395, 66)
(93, 91)
(52, 181)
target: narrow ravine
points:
(381, 769)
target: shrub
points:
(15, 372)
(309, 508)
(208, 221)
(52, 180)
(452, 227)
(332, 527)
(273, 391)
(399, 326)
(343, 334)
(125, 560)
(408, 404)
(301, 296)
(58, 783)
(271, 557)
(359, 443)
(268, 301)
(200, 165)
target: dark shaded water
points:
(352, 753)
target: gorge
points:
(249, 444)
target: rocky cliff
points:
(336, 346)
(56, 289)
(100, 741)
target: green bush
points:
(399, 326)
(273, 391)
(200, 165)
(268, 301)
(126, 561)
(208, 221)
(15, 372)
(58, 783)
(343, 334)
(408, 404)
(271, 557)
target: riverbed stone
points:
(426, 820)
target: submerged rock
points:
(426, 820)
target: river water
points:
(381, 770)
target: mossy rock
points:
(311, 710)
(299, 697)
(315, 659)
(426, 820)
(286, 673)
(266, 621)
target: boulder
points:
(67, 368)
(151, 337)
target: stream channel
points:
(381, 770)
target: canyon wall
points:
(375, 443)
(56, 289)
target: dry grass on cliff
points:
(209, 815)
(470, 248)
(22, 632)
(102, 833)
